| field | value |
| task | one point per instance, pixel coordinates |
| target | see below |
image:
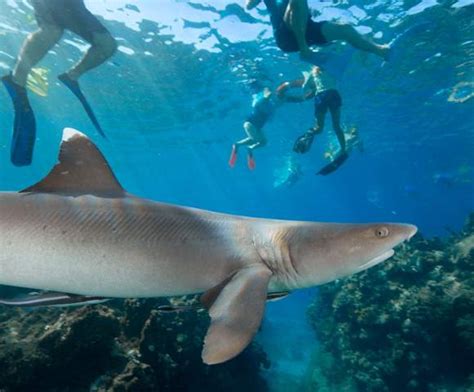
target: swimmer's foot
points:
(233, 156)
(24, 127)
(303, 143)
(250, 160)
(73, 85)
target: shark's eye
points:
(382, 232)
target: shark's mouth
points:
(384, 256)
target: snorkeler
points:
(320, 85)
(53, 17)
(294, 30)
(263, 107)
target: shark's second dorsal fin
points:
(82, 169)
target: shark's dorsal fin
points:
(82, 169)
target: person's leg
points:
(259, 140)
(336, 124)
(249, 129)
(344, 32)
(252, 135)
(319, 123)
(35, 47)
(250, 4)
(296, 18)
(103, 46)
(243, 142)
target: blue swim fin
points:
(73, 85)
(334, 165)
(24, 126)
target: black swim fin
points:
(334, 165)
(73, 85)
(51, 299)
(24, 126)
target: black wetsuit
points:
(327, 99)
(68, 15)
(262, 109)
(284, 37)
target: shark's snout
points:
(412, 230)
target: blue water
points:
(173, 99)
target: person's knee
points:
(47, 33)
(247, 126)
(336, 31)
(345, 30)
(106, 43)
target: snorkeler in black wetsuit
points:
(53, 17)
(294, 30)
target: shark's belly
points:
(108, 252)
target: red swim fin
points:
(250, 161)
(233, 156)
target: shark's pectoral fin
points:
(52, 299)
(208, 298)
(236, 314)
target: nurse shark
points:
(78, 235)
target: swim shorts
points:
(68, 15)
(328, 99)
(284, 37)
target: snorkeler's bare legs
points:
(102, 48)
(35, 47)
(345, 32)
(296, 18)
(336, 124)
(255, 137)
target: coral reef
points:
(126, 346)
(405, 325)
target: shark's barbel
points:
(78, 232)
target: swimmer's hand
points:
(304, 142)
(250, 4)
